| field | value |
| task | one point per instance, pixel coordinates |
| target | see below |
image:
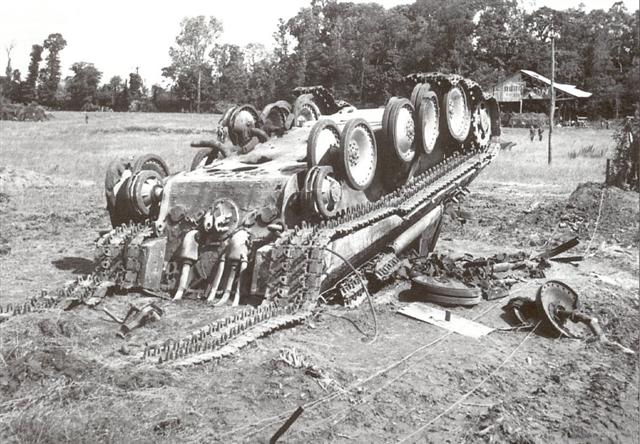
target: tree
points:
(108, 92)
(190, 56)
(135, 85)
(48, 88)
(29, 91)
(233, 80)
(82, 87)
(8, 49)
(115, 83)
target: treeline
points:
(80, 91)
(362, 52)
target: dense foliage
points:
(361, 52)
(625, 171)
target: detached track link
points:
(213, 350)
(108, 268)
(217, 334)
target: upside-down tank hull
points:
(284, 205)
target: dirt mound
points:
(607, 213)
(14, 180)
(593, 210)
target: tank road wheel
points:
(323, 143)
(418, 93)
(241, 120)
(458, 115)
(202, 158)
(401, 130)
(151, 162)
(481, 125)
(428, 121)
(359, 153)
(386, 114)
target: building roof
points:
(568, 89)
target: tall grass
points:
(67, 146)
(527, 161)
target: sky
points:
(120, 35)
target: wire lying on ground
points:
(470, 392)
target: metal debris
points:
(558, 308)
(136, 317)
(493, 276)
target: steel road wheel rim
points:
(429, 125)
(405, 133)
(361, 156)
(457, 113)
(327, 139)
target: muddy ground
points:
(64, 376)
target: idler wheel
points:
(323, 143)
(401, 130)
(224, 120)
(305, 109)
(144, 191)
(327, 192)
(322, 191)
(428, 121)
(241, 120)
(151, 162)
(481, 125)
(457, 113)
(274, 117)
(359, 153)
(202, 158)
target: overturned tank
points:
(285, 203)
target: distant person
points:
(532, 133)
(86, 118)
(540, 133)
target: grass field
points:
(66, 377)
(67, 146)
(527, 161)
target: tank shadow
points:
(77, 265)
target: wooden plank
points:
(445, 319)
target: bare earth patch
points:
(65, 377)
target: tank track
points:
(297, 268)
(109, 268)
